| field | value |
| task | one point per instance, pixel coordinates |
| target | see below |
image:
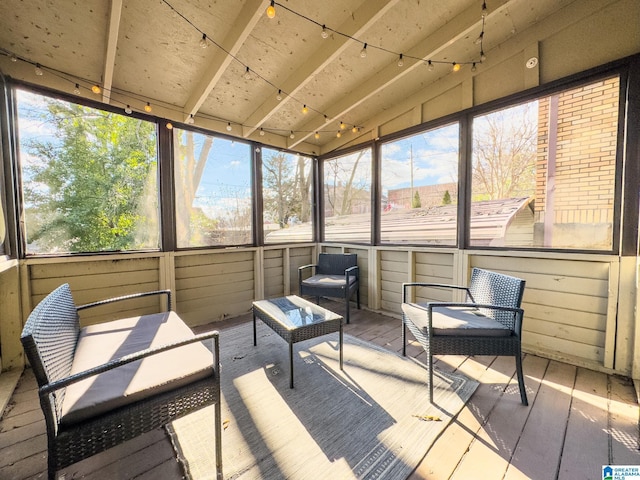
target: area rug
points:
(373, 420)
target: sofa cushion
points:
(101, 343)
(467, 321)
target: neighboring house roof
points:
(436, 225)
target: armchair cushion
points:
(459, 321)
(320, 280)
(101, 343)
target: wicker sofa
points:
(488, 322)
(107, 383)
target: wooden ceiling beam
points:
(242, 26)
(110, 54)
(361, 20)
(457, 29)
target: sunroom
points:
(212, 149)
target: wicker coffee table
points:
(295, 319)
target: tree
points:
(446, 199)
(94, 187)
(415, 201)
(505, 149)
(287, 184)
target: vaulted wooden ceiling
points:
(143, 51)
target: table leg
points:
(255, 341)
(290, 364)
(341, 346)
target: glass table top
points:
(295, 312)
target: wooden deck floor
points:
(576, 422)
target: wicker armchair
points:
(335, 275)
(90, 404)
(489, 322)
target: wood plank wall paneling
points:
(394, 271)
(565, 304)
(363, 266)
(213, 286)
(298, 257)
(97, 280)
(432, 267)
(273, 273)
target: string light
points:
(169, 126)
(324, 33)
(128, 110)
(279, 95)
(430, 66)
(484, 10)
(339, 134)
(247, 74)
(473, 67)
(229, 127)
(305, 110)
(261, 132)
(76, 89)
(363, 52)
(483, 57)
(271, 10)
(400, 61)
(191, 120)
(455, 67)
(317, 135)
(147, 108)
(292, 135)
(38, 71)
(96, 89)
(354, 129)
(342, 126)
(13, 58)
(203, 41)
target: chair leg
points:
(347, 310)
(358, 297)
(430, 367)
(523, 391)
(404, 339)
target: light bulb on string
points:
(354, 129)
(478, 40)
(430, 66)
(247, 74)
(96, 89)
(455, 67)
(305, 109)
(147, 108)
(484, 9)
(317, 135)
(128, 110)
(191, 120)
(38, 71)
(13, 58)
(203, 41)
(279, 95)
(483, 57)
(342, 126)
(473, 67)
(292, 135)
(261, 132)
(169, 126)
(339, 134)
(76, 89)
(400, 61)
(229, 127)
(363, 52)
(271, 10)
(326, 119)
(324, 33)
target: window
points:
(287, 197)
(544, 171)
(420, 188)
(213, 190)
(89, 178)
(347, 197)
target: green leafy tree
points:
(446, 199)
(287, 185)
(415, 202)
(93, 186)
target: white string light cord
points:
(79, 83)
